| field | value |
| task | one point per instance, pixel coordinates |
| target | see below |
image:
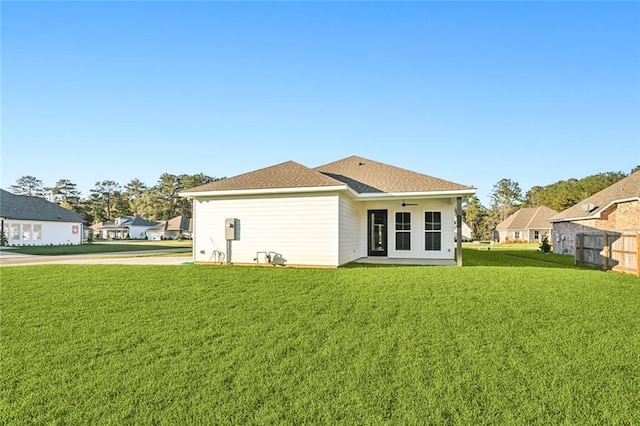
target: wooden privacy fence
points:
(609, 251)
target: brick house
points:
(615, 210)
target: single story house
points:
(28, 220)
(615, 209)
(123, 228)
(529, 224)
(172, 229)
(326, 216)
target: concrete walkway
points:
(405, 261)
(7, 258)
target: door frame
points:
(385, 233)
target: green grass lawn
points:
(100, 247)
(546, 343)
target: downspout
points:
(193, 229)
(459, 231)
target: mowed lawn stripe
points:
(183, 344)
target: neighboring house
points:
(326, 216)
(615, 209)
(467, 234)
(172, 229)
(123, 228)
(528, 224)
(35, 221)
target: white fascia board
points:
(359, 196)
(406, 195)
(573, 219)
(598, 214)
(235, 192)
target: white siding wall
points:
(353, 237)
(155, 235)
(445, 206)
(138, 232)
(302, 228)
(55, 233)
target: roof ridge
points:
(383, 177)
(533, 216)
(626, 188)
(287, 174)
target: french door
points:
(377, 238)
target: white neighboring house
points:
(30, 220)
(467, 234)
(328, 216)
(123, 228)
(172, 229)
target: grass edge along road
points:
(100, 248)
(378, 344)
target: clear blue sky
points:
(471, 92)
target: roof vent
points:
(588, 207)
(360, 164)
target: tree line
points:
(108, 199)
(507, 197)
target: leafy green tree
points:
(475, 215)
(135, 192)
(28, 185)
(167, 197)
(506, 197)
(565, 193)
(188, 182)
(105, 200)
(149, 205)
(66, 194)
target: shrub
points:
(545, 247)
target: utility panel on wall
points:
(232, 229)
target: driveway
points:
(7, 258)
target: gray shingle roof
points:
(23, 207)
(361, 174)
(125, 222)
(138, 221)
(528, 218)
(624, 189)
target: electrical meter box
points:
(232, 229)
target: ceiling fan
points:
(407, 204)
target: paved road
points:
(7, 258)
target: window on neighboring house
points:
(26, 232)
(516, 235)
(14, 231)
(37, 232)
(536, 235)
(432, 231)
(403, 231)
